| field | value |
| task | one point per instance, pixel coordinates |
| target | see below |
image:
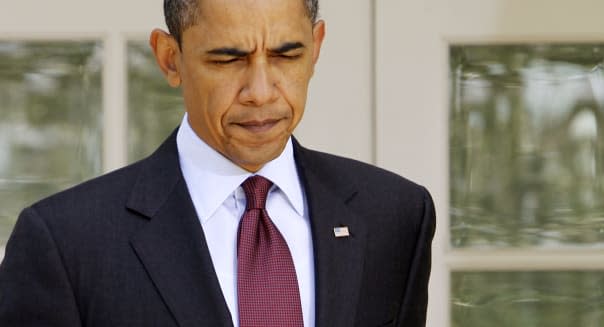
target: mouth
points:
(255, 126)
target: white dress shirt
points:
(214, 184)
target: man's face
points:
(244, 70)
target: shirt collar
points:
(212, 178)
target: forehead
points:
(238, 20)
(210, 8)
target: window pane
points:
(154, 108)
(527, 299)
(527, 145)
(50, 114)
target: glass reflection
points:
(50, 113)
(526, 145)
(527, 299)
(154, 108)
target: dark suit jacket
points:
(127, 249)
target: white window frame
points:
(412, 52)
(110, 22)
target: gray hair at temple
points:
(182, 14)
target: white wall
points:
(339, 116)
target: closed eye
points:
(289, 57)
(225, 62)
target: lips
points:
(255, 126)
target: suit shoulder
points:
(99, 191)
(382, 195)
(351, 171)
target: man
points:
(230, 222)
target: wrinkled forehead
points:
(243, 10)
(245, 23)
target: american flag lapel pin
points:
(341, 231)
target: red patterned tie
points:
(267, 286)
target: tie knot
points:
(256, 190)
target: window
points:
(154, 109)
(526, 147)
(496, 107)
(50, 120)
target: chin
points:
(255, 157)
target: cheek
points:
(208, 98)
(294, 85)
(220, 98)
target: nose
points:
(260, 87)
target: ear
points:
(318, 34)
(167, 52)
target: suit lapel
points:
(172, 246)
(338, 260)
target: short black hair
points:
(182, 14)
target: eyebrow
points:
(288, 46)
(232, 52)
(235, 52)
